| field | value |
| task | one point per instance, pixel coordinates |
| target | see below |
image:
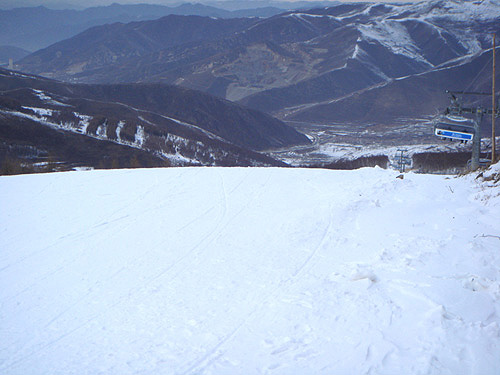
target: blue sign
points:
(451, 134)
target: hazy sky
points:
(88, 3)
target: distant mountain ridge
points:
(34, 28)
(228, 5)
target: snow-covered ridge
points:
(456, 10)
(304, 16)
(398, 28)
(460, 10)
(249, 271)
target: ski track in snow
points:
(248, 270)
(216, 352)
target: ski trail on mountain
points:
(254, 271)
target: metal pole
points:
(493, 112)
(476, 141)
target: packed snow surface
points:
(249, 271)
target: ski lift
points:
(455, 128)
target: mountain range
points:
(34, 28)
(352, 63)
(157, 124)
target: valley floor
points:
(249, 271)
(335, 142)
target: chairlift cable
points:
(477, 76)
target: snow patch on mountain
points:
(118, 130)
(48, 99)
(140, 136)
(357, 50)
(41, 95)
(40, 112)
(83, 123)
(394, 36)
(102, 130)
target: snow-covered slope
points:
(249, 271)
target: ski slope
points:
(249, 271)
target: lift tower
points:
(471, 133)
(451, 130)
(456, 109)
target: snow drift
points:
(249, 271)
